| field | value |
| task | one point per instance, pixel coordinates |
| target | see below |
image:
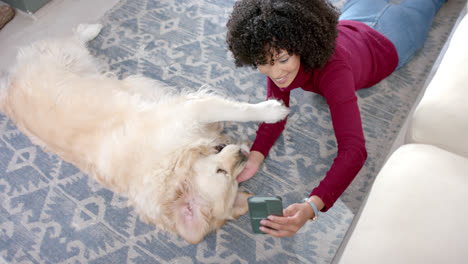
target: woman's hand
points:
(294, 217)
(251, 166)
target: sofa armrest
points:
(441, 117)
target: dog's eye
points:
(221, 171)
(220, 147)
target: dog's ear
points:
(191, 216)
(240, 204)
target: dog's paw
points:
(273, 111)
(87, 32)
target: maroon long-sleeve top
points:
(362, 58)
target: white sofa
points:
(417, 208)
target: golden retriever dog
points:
(159, 147)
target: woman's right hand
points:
(251, 166)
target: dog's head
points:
(207, 193)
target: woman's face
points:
(283, 70)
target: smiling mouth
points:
(282, 80)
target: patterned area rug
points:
(50, 212)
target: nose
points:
(243, 156)
(273, 71)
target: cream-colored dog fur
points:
(157, 146)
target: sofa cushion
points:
(415, 212)
(441, 117)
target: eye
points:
(221, 171)
(284, 61)
(220, 147)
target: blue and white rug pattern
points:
(50, 212)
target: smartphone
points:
(260, 207)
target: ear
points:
(191, 218)
(240, 204)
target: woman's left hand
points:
(294, 217)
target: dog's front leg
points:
(216, 109)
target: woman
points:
(306, 44)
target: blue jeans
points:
(405, 22)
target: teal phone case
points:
(261, 207)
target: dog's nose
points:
(220, 147)
(243, 155)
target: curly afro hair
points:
(307, 28)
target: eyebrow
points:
(282, 56)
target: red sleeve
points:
(340, 94)
(267, 134)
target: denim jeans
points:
(405, 22)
